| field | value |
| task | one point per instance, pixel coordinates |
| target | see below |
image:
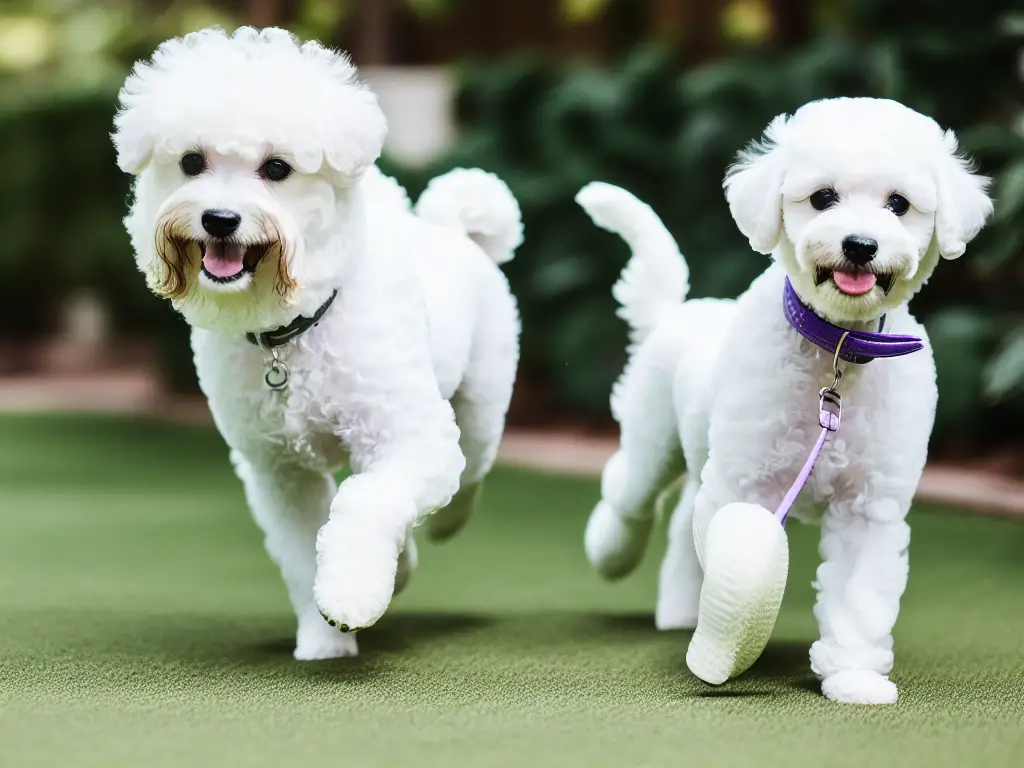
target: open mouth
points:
(854, 281)
(225, 261)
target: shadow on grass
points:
(210, 641)
(404, 631)
(395, 633)
(632, 623)
(394, 636)
(781, 659)
(784, 667)
(262, 645)
(718, 693)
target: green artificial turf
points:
(141, 624)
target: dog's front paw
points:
(316, 641)
(355, 574)
(859, 686)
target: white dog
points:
(330, 323)
(856, 200)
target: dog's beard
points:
(852, 279)
(840, 290)
(180, 254)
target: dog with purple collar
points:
(811, 396)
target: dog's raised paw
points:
(859, 686)
(355, 577)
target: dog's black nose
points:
(859, 250)
(221, 223)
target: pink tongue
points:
(224, 259)
(854, 283)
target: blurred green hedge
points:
(667, 134)
(649, 124)
(61, 206)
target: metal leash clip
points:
(830, 409)
(830, 402)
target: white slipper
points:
(746, 562)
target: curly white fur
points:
(408, 375)
(485, 210)
(730, 386)
(657, 279)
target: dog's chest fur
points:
(764, 407)
(303, 422)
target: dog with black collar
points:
(818, 366)
(332, 323)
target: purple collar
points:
(859, 347)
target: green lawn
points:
(141, 624)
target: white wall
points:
(418, 104)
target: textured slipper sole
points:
(746, 560)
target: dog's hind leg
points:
(480, 430)
(289, 505)
(649, 458)
(681, 576)
(407, 562)
(480, 405)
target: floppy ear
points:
(353, 149)
(354, 126)
(963, 204)
(132, 155)
(753, 187)
(133, 137)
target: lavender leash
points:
(853, 346)
(830, 407)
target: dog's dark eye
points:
(898, 204)
(824, 198)
(275, 169)
(192, 164)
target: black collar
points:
(294, 329)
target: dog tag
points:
(277, 375)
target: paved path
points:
(585, 455)
(132, 391)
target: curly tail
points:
(477, 204)
(656, 279)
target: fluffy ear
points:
(133, 139)
(753, 187)
(963, 204)
(133, 155)
(353, 149)
(355, 124)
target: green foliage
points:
(668, 135)
(61, 208)
(648, 124)
(1005, 370)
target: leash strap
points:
(830, 408)
(830, 411)
(857, 347)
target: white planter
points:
(418, 104)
